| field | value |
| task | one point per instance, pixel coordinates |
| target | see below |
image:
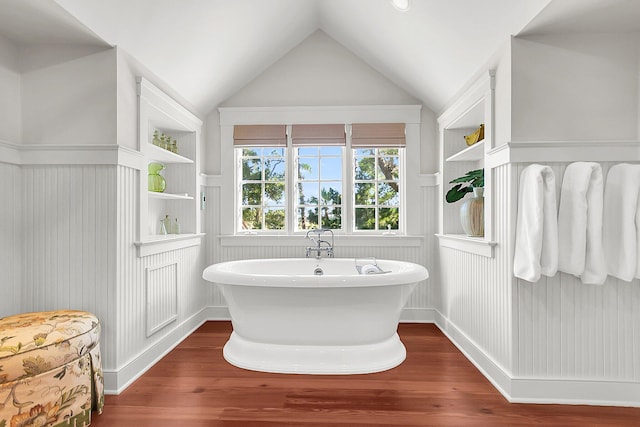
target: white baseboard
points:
(115, 381)
(218, 313)
(418, 315)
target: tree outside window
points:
(263, 188)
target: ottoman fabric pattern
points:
(50, 369)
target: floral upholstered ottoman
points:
(50, 369)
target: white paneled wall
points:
(68, 242)
(11, 231)
(161, 296)
(68, 254)
(570, 330)
(133, 309)
(476, 291)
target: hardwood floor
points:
(436, 385)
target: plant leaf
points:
(456, 193)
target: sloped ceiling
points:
(207, 50)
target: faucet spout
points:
(320, 245)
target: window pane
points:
(308, 193)
(308, 151)
(388, 151)
(331, 217)
(251, 194)
(365, 151)
(328, 150)
(252, 151)
(387, 168)
(273, 194)
(274, 219)
(365, 193)
(251, 219)
(274, 169)
(365, 219)
(365, 168)
(331, 168)
(308, 168)
(307, 218)
(274, 152)
(389, 217)
(251, 169)
(331, 194)
(388, 194)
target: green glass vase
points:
(155, 181)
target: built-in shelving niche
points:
(159, 112)
(475, 107)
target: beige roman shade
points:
(320, 134)
(257, 135)
(377, 135)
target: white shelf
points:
(169, 196)
(461, 242)
(155, 244)
(161, 155)
(469, 154)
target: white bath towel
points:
(536, 250)
(621, 229)
(580, 250)
(638, 240)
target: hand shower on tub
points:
(368, 266)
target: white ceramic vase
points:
(472, 214)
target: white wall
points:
(10, 105)
(556, 340)
(11, 190)
(565, 329)
(575, 87)
(70, 226)
(321, 72)
(71, 102)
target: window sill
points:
(474, 245)
(340, 240)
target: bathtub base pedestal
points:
(314, 359)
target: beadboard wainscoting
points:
(581, 335)
(71, 228)
(11, 239)
(553, 341)
(174, 314)
(475, 300)
(420, 249)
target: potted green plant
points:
(471, 210)
(474, 178)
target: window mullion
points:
(348, 178)
(290, 184)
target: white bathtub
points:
(288, 320)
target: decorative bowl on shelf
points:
(477, 135)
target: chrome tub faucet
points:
(319, 244)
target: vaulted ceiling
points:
(207, 50)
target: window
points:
(305, 184)
(262, 174)
(318, 201)
(376, 188)
(263, 188)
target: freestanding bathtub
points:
(315, 316)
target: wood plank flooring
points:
(436, 386)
